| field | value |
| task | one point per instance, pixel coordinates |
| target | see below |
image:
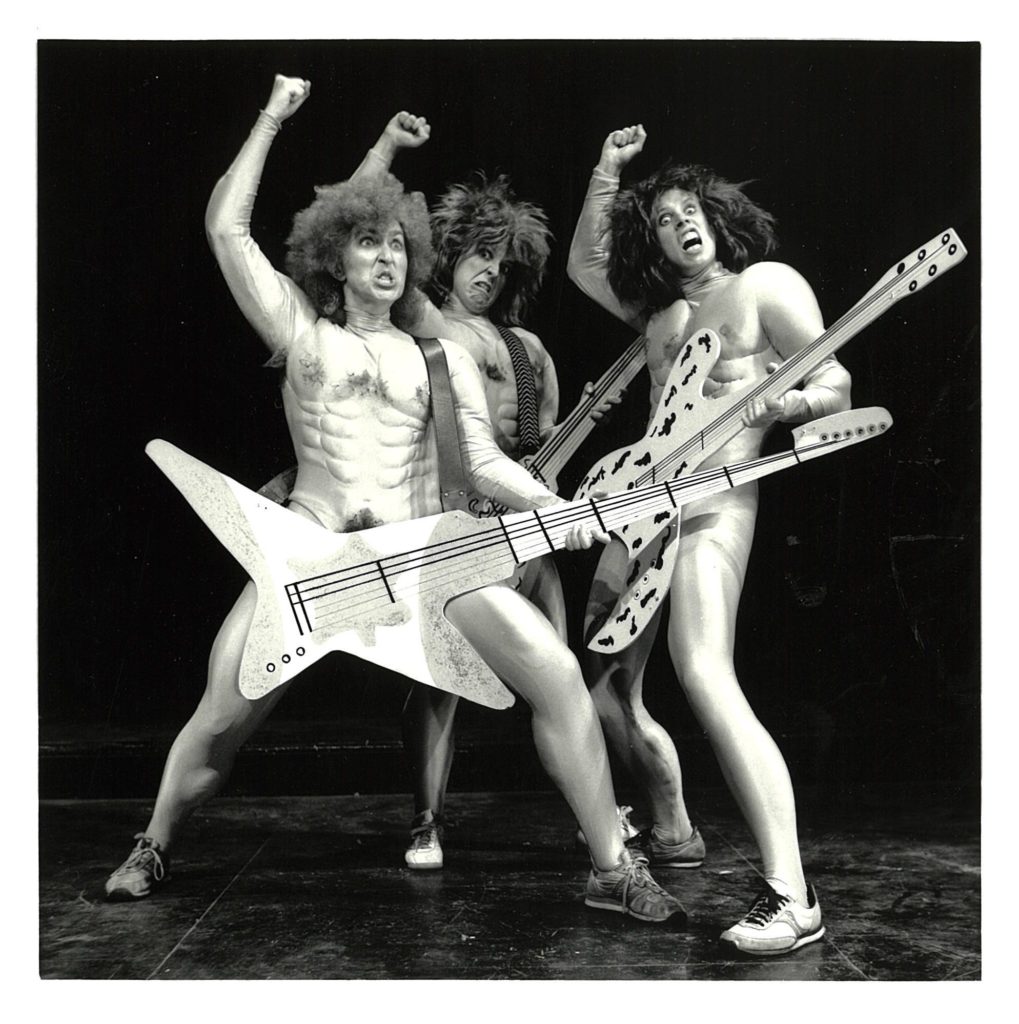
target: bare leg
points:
(707, 581)
(617, 687)
(524, 650)
(203, 753)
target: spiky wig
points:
(638, 271)
(486, 212)
(321, 231)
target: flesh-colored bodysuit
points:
(356, 402)
(761, 316)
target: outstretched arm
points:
(792, 319)
(276, 308)
(587, 265)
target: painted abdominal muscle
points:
(359, 439)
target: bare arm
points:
(274, 306)
(792, 320)
(587, 265)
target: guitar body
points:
(683, 413)
(320, 591)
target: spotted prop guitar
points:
(687, 427)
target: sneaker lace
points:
(145, 855)
(423, 835)
(765, 907)
(640, 874)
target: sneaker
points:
(626, 830)
(776, 924)
(147, 866)
(687, 854)
(425, 850)
(629, 888)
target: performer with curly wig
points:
(357, 401)
(672, 256)
(491, 255)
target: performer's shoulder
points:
(770, 274)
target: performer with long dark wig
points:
(670, 256)
(491, 255)
(357, 401)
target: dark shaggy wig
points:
(638, 271)
(321, 231)
(488, 213)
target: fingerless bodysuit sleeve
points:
(274, 306)
(588, 261)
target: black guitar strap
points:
(452, 479)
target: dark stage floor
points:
(315, 888)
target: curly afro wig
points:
(638, 271)
(321, 231)
(482, 213)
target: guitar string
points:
(629, 361)
(520, 525)
(786, 370)
(625, 368)
(440, 570)
(615, 511)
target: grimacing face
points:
(479, 277)
(683, 231)
(374, 267)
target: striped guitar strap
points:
(527, 396)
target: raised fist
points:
(287, 95)
(407, 131)
(621, 147)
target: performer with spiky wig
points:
(672, 255)
(357, 398)
(491, 254)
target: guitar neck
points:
(532, 534)
(910, 275)
(553, 456)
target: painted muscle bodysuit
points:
(479, 336)
(721, 301)
(761, 316)
(355, 397)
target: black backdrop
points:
(859, 624)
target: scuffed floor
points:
(315, 888)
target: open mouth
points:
(385, 279)
(691, 241)
(483, 286)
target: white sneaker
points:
(776, 924)
(626, 830)
(425, 850)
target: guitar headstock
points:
(920, 267)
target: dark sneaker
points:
(626, 830)
(147, 866)
(687, 854)
(776, 924)
(425, 850)
(629, 888)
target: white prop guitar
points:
(379, 594)
(687, 427)
(551, 458)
